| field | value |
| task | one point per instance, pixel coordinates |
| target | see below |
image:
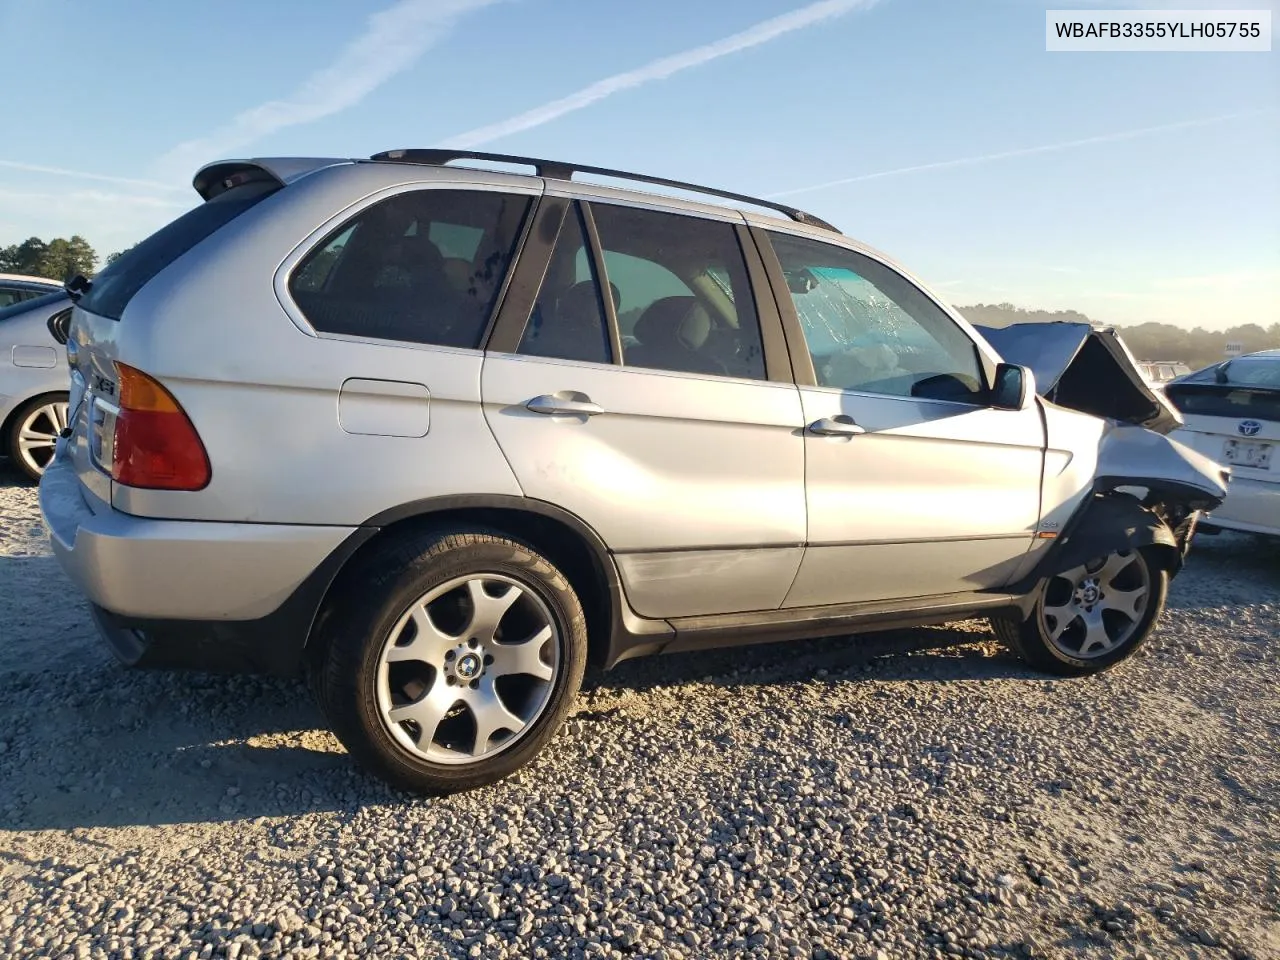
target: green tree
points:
(25, 257)
(59, 259)
(65, 258)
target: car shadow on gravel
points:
(1237, 553)
(172, 748)
(948, 653)
(10, 477)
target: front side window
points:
(568, 319)
(683, 297)
(420, 267)
(869, 329)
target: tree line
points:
(62, 258)
(57, 259)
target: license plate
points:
(1244, 454)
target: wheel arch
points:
(566, 540)
(1108, 521)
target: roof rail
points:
(558, 170)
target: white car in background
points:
(18, 288)
(34, 379)
(1232, 414)
(1160, 372)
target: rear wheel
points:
(1091, 617)
(34, 431)
(450, 660)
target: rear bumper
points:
(1252, 506)
(207, 592)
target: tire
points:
(1076, 648)
(37, 417)
(417, 637)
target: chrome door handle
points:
(840, 425)
(551, 404)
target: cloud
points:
(659, 69)
(74, 198)
(1024, 151)
(392, 41)
(85, 175)
(110, 220)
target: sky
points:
(1129, 186)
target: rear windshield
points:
(1259, 371)
(115, 286)
(1212, 400)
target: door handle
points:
(578, 404)
(840, 425)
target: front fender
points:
(1105, 523)
(1109, 524)
(1133, 457)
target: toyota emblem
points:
(1249, 428)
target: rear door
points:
(655, 414)
(915, 486)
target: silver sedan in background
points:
(33, 379)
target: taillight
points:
(156, 446)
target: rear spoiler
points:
(215, 178)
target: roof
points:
(215, 177)
(34, 281)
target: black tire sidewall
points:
(375, 601)
(1043, 653)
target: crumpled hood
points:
(1085, 368)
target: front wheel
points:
(449, 660)
(1089, 618)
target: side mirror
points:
(1015, 387)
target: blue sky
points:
(1130, 186)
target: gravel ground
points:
(916, 794)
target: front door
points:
(649, 414)
(915, 485)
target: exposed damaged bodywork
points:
(1142, 488)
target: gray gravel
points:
(916, 794)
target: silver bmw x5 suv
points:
(437, 437)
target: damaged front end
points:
(1114, 479)
(1085, 368)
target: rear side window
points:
(420, 267)
(116, 285)
(683, 297)
(568, 320)
(25, 306)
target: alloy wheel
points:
(467, 670)
(1091, 610)
(38, 433)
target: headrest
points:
(580, 302)
(674, 320)
(417, 251)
